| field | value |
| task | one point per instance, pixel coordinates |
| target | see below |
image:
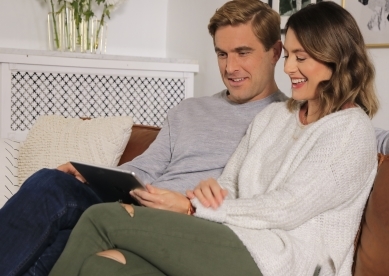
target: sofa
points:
(372, 241)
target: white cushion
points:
(54, 140)
(9, 153)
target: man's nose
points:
(232, 64)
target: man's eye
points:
(243, 53)
(221, 55)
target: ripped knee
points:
(114, 255)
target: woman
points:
(291, 197)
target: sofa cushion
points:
(372, 245)
(141, 138)
(54, 140)
(9, 153)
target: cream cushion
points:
(9, 153)
(54, 140)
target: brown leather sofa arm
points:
(141, 138)
(372, 245)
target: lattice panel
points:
(146, 99)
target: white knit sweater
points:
(296, 193)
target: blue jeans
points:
(36, 222)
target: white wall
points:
(160, 28)
(381, 60)
(136, 28)
(188, 37)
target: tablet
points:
(110, 184)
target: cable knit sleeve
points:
(229, 181)
(323, 170)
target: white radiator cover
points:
(34, 83)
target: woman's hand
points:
(69, 169)
(209, 193)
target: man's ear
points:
(277, 50)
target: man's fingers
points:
(145, 198)
(145, 195)
(79, 177)
(154, 190)
(69, 169)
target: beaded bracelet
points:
(191, 209)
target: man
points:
(195, 143)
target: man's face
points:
(246, 68)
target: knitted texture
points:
(296, 193)
(9, 153)
(54, 140)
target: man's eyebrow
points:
(217, 49)
(237, 49)
(243, 48)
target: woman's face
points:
(305, 72)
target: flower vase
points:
(100, 37)
(87, 35)
(61, 34)
(93, 36)
(55, 31)
(69, 34)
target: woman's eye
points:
(285, 57)
(300, 59)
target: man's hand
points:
(161, 199)
(69, 169)
(209, 193)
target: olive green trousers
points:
(154, 242)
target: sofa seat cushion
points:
(372, 245)
(54, 140)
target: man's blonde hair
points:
(264, 20)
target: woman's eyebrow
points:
(298, 50)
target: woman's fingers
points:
(210, 193)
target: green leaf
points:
(107, 12)
(88, 14)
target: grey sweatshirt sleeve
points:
(382, 140)
(153, 162)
